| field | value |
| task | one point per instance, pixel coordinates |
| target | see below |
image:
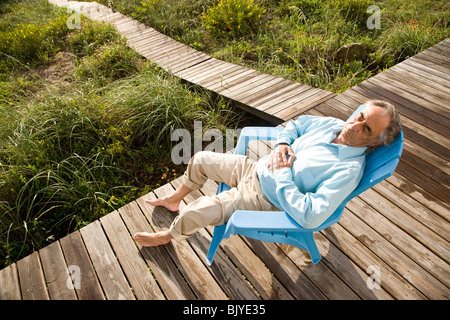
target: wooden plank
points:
(298, 98)
(415, 209)
(187, 61)
(157, 46)
(161, 265)
(190, 73)
(420, 71)
(193, 269)
(418, 96)
(296, 109)
(221, 79)
(399, 261)
(144, 35)
(226, 69)
(179, 60)
(31, 278)
(362, 256)
(442, 52)
(105, 14)
(245, 79)
(407, 80)
(271, 84)
(315, 282)
(425, 247)
(192, 61)
(427, 70)
(133, 265)
(350, 273)
(431, 65)
(202, 71)
(9, 283)
(56, 273)
(170, 52)
(431, 85)
(111, 277)
(436, 58)
(161, 48)
(240, 77)
(223, 269)
(283, 99)
(127, 28)
(76, 256)
(421, 195)
(234, 92)
(265, 90)
(279, 95)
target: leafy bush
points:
(233, 18)
(28, 43)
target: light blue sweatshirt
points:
(323, 174)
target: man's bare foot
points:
(153, 239)
(167, 202)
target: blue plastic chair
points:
(278, 226)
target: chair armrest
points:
(265, 221)
(255, 133)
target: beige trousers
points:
(238, 172)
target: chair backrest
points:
(380, 164)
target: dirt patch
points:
(60, 73)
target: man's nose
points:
(356, 126)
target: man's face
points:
(363, 130)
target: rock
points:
(351, 51)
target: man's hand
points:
(281, 157)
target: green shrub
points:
(28, 43)
(233, 18)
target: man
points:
(316, 164)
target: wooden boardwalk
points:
(397, 232)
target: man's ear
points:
(374, 143)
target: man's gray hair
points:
(390, 133)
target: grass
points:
(76, 147)
(296, 39)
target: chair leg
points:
(312, 247)
(219, 231)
